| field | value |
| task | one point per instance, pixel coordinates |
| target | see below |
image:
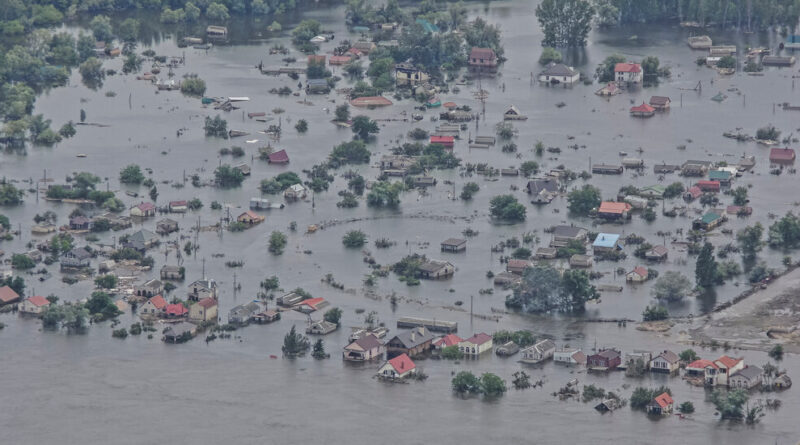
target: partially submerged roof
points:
(558, 69)
(370, 101)
(627, 68)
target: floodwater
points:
(95, 389)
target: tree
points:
(785, 233)
(216, 126)
(319, 350)
(565, 23)
(507, 208)
(576, 291)
(642, 396)
(650, 66)
(354, 239)
(705, 271)
(384, 194)
(101, 28)
(767, 133)
(469, 189)
(131, 64)
(583, 200)
(730, 403)
(465, 382)
(686, 407)
(492, 385)
(301, 126)
(132, 174)
(217, 12)
(740, 196)
(539, 291)
(194, 86)
(101, 306)
(549, 55)
(688, 355)
(22, 262)
(672, 286)
(363, 127)
(451, 353)
(673, 190)
(67, 130)
(154, 193)
(10, 195)
(194, 204)
(270, 284)
(528, 168)
(333, 315)
(294, 343)
(92, 72)
(655, 313)
(342, 113)
(277, 242)
(726, 62)
(352, 152)
(305, 31)
(776, 353)
(106, 281)
(227, 176)
(605, 71)
(749, 240)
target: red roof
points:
(402, 364)
(479, 339)
(728, 362)
(708, 185)
(316, 58)
(781, 154)
(664, 400)
(447, 141)
(614, 207)
(38, 300)
(279, 157)
(370, 101)
(145, 206)
(694, 191)
(7, 295)
(159, 302)
(449, 105)
(251, 214)
(641, 271)
(177, 203)
(643, 108)
(355, 51)
(701, 364)
(339, 60)
(207, 302)
(482, 53)
(519, 264)
(448, 340)
(627, 68)
(313, 302)
(177, 309)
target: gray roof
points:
(421, 335)
(318, 83)
(143, 235)
(179, 328)
(537, 185)
(432, 266)
(454, 242)
(367, 342)
(558, 69)
(749, 372)
(669, 356)
(80, 253)
(568, 231)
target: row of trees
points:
(544, 289)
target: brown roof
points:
(367, 342)
(481, 53)
(7, 295)
(207, 302)
(659, 100)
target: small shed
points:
(454, 245)
(643, 110)
(660, 103)
(278, 157)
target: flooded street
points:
(145, 391)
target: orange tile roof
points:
(728, 362)
(614, 207)
(402, 364)
(664, 400)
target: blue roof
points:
(606, 240)
(428, 26)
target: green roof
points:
(719, 174)
(710, 217)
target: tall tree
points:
(565, 22)
(705, 271)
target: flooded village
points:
(226, 222)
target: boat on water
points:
(237, 133)
(81, 155)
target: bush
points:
(106, 281)
(354, 239)
(120, 333)
(277, 242)
(451, 353)
(655, 313)
(507, 208)
(549, 55)
(132, 174)
(193, 86)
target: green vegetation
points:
(279, 183)
(783, 233)
(385, 194)
(318, 352)
(73, 317)
(21, 261)
(216, 126)
(776, 353)
(451, 353)
(522, 338)
(686, 407)
(492, 385)
(655, 313)
(565, 23)
(706, 274)
(583, 200)
(507, 208)
(466, 382)
(342, 113)
(101, 306)
(642, 396)
(294, 343)
(354, 239)
(192, 85)
(227, 176)
(301, 126)
(730, 403)
(549, 55)
(727, 61)
(768, 133)
(132, 174)
(333, 315)
(749, 240)
(688, 355)
(673, 190)
(544, 289)
(353, 152)
(364, 127)
(469, 190)
(9, 195)
(672, 286)
(528, 168)
(277, 242)
(106, 281)
(605, 71)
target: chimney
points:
(413, 336)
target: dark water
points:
(95, 389)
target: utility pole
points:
(204, 268)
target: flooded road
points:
(95, 389)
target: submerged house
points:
(34, 305)
(250, 217)
(643, 110)
(539, 352)
(482, 59)
(204, 310)
(661, 405)
(398, 368)
(149, 288)
(154, 306)
(76, 259)
(781, 156)
(563, 235)
(434, 269)
(178, 206)
(8, 296)
(709, 221)
(517, 266)
(628, 73)
(748, 377)
(202, 289)
(412, 342)
(569, 356)
(454, 245)
(367, 347)
(143, 210)
(614, 210)
(321, 327)
(278, 157)
(476, 345)
(556, 73)
(660, 103)
(542, 191)
(513, 114)
(718, 372)
(166, 226)
(406, 74)
(667, 361)
(242, 313)
(605, 359)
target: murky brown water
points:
(95, 389)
